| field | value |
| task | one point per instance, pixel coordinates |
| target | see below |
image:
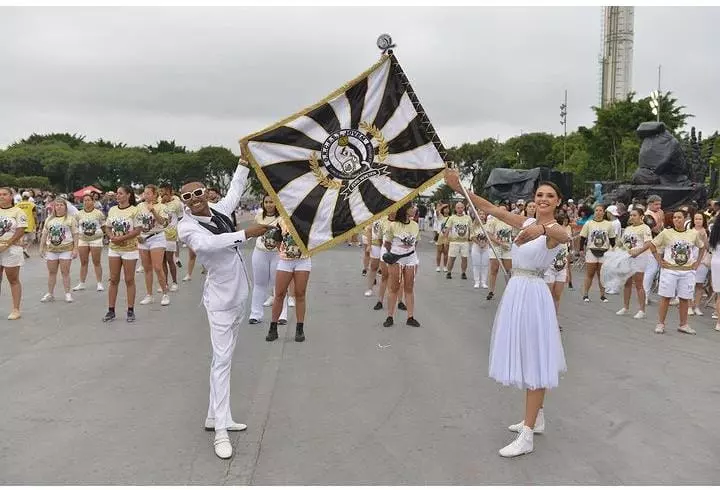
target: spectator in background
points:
(28, 208)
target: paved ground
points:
(89, 403)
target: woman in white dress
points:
(526, 349)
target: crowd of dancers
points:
(534, 247)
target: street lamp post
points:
(563, 122)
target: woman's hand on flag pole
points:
(452, 179)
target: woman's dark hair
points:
(561, 216)
(604, 216)
(715, 236)
(131, 192)
(705, 223)
(264, 213)
(401, 214)
(554, 187)
(443, 208)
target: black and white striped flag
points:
(363, 151)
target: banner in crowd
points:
(358, 154)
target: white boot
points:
(522, 445)
(539, 424)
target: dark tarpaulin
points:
(507, 184)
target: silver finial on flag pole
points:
(384, 43)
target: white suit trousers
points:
(264, 266)
(480, 260)
(224, 329)
(650, 270)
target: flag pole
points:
(384, 42)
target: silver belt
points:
(527, 272)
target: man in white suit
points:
(207, 229)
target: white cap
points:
(613, 210)
(570, 201)
(521, 201)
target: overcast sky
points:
(208, 76)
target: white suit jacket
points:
(226, 285)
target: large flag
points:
(360, 153)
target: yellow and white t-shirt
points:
(378, 230)
(10, 220)
(267, 243)
(145, 219)
(635, 236)
(477, 235)
(598, 234)
(502, 232)
(680, 247)
(402, 237)
(60, 231)
(121, 222)
(174, 209)
(459, 228)
(289, 249)
(90, 224)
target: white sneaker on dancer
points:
(186, 278)
(640, 315)
(100, 287)
(140, 270)
(539, 424)
(368, 293)
(234, 427)
(622, 311)
(165, 300)
(79, 287)
(223, 448)
(699, 312)
(68, 298)
(174, 287)
(47, 298)
(268, 302)
(438, 269)
(291, 301)
(476, 285)
(523, 444)
(147, 300)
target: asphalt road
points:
(89, 403)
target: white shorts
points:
(553, 276)
(155, 241)
(376, 252)
(701, 274)
(591, 259)
(410, 260)
(674, 283)
(91, 243)
(58, 256)
(12, 257)
(639, 263)
(294, 265)
(128, 255)
(170, 246)
(459, 248)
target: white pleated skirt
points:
(526, 349)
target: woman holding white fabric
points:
(636, 234)
(265, 259)
(526, 348)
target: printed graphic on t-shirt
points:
(89, 228)
(461, 230)
(292, 251)
(407, 240)
(504, 235)
(560, 258)
(57, 234)
(680, 252)
(119, 226)
(147, 221)
(6, 225)
(598, 238)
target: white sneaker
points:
(622, 312)
(674, 302)
(291, 302)
(79, 287)
(165, 300)
(159, 289)
(269, 302)
(476, 285)
(438, 269)
(174, 287)
(223, 448)
(147, 300)
(100, 287)
(539, 424)
(68, 298)
(445, 269)
(522, 445)
(714, 316)
(47, 298)
(140, 270)
(484, 286)
(186, 278)
(640, 315)
(717, 327)
(699, 312)
(234, 427)
(368, 293)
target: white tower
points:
(617, 53)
